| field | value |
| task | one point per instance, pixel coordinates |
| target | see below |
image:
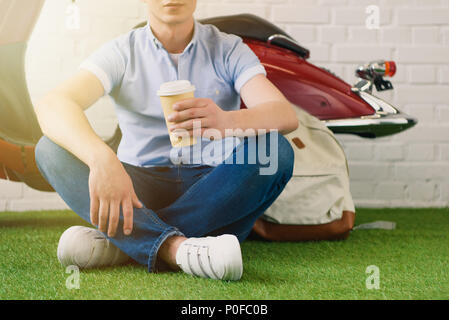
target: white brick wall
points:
(409, 169)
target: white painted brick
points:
(432, 3)
(423, 191)
(422, 94)
(332, 2)
(202, 11)
(422, 54)
(427, 35)
(390, 190)
(348, 74)
(442, 112)
(2, 205)
(362, 35)
(389, 151)
(10, 190)
(395, 3)
(109, 28)
(395, 35)
(333, 34)
(401, 74)
(370, 203)
(230, 9)
(423, 16)
(360, 53)
(303, 34)
(300, 14)
(34, 204)
(319, 52)
(305, 2)
(363, 2)
(51, 47)
(358, 151)
(420, 152)
(111, 8)
(425, 133)
(443, 74)
(444, 152)
(369, 171)
(421, 171)
(358, 16)
(422, 74)
(444, 194)
(30, 193)
(445, 33)
(361, 189)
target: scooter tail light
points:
(390, 68)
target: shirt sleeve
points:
(242, 63)
(107, 63)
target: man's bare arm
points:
(61, 117)
(267, 108)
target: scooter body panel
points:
(315, 90)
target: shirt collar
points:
(158, 45)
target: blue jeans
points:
(193, 201)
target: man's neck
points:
(174, 37)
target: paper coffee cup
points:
(170, 93)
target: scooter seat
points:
(254, 27)
(245, 25)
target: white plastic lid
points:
(175, 87)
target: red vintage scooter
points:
(342, 107)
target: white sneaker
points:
(88, 248)
(211, 257)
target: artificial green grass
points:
(413, 261)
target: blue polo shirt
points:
(132, 67)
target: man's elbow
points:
(44, 102)
(293, 124)
(290, 122)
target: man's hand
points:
(111, 187)
(267, 109)
(203, 110)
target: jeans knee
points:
(46, 151)
(281, 157)
(41, 149)
(286, 157)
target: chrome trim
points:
(385, 121)
(371, 70)
(378, 104)
(281, 36)
(363, 86)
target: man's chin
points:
(174, 20)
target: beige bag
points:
(318, 191)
